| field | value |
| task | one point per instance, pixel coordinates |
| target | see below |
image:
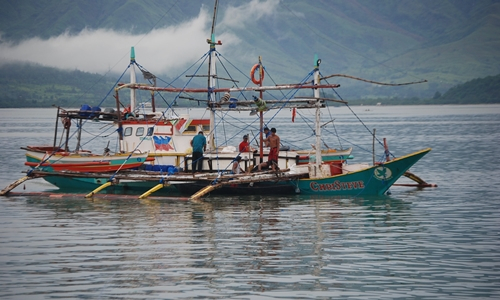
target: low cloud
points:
(164, 50)
(246, 15)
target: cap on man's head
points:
(273, 130)
(265, 128)
(245, 136)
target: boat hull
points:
(256, 188)
(85, 184)
(73, 184)
(374, 180)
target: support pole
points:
(205, 191)
(79, 138)
(261, 114)
(373, 145)
(152, 190)
(55, 130)
(97, 190)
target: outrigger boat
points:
(163, 141)
(54, 160)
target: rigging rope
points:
(372, 81)
(369, 81)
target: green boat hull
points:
(375, 180)
(87, 184)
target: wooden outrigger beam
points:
(143, 86)
(309, 99)
(13, 185)
(249, 108)
(205, 190)
(420, 182)
(97, 190)
(154, 189)
(213, 76)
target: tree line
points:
(28, 85)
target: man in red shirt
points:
(244, 145)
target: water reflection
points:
(225, 247)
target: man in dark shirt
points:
(199, 144)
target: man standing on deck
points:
(199, 144)
(266, 133)
(274, 144)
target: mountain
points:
(446, 42)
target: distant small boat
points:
(83, 161)
(145, 105)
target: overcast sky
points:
(160, 50)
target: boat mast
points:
(318, 115)
(55, 130)
(119, 120)
(211, 79)
(261, 116)
(132, 80)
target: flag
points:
(162, 143)
(181, 125)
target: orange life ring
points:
(261, 74)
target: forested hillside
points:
(481, 90)
(27, 85)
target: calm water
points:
(439, 243)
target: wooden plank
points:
(13, 185)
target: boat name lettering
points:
(336, 186)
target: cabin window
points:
(139, 131)
(164, 129)
(195, 128)
(127, 131)
(150, 131)
(190, 128)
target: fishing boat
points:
(162, 141)
(82, 161)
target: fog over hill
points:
(445, 42)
